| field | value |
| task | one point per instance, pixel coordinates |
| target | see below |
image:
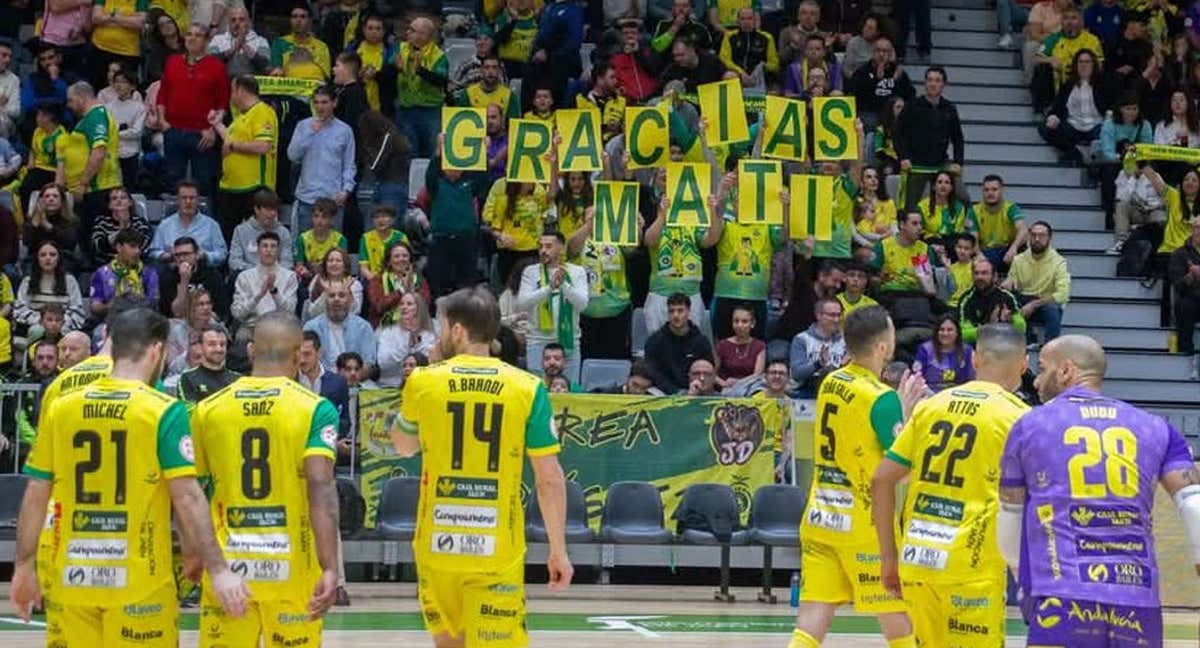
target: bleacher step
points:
(1092, 265)
(1141, 365)
(1021, 174)
(1057, 196)
(963, 20)
(1125, 313)
(1067, 218)
(1112, 288)
(970, 112)
(997, 95)
(1146, 339)
(1091, 241)
(1021, 154)
(983, 58)
(1156, 391)
(970, 75)
(977, 133)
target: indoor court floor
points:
(593, 616)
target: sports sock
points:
(909, 641)
(801, 639)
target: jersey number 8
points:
(256, 471)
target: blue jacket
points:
(1112, 132)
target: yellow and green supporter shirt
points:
(518, 48)
(675, 262)
(45, 148)
(415, 89)
(528, 217)
(378, 56)
(844, 193)
(1178, 229)
(115, 39)
(997, 228)
(71, 153)
(476, 96)
(373, 245)
(947, 220)
(608, 289)
(1059, 46)
(99, 130)
(282, 48)
(898, 264)
(744, 260)
(245, 172)
(851, 306)
(310, 249)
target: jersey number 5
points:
(486, 429)
(828, 447)
(967, 433)
(90, 439)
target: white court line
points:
(35, 624)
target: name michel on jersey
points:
(115, 411)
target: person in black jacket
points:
(1064, 129)
(928, 125)
(878, 80)
(211, 375)
(693, 67)
(1183, 270)
(351, 96)
(672, 349)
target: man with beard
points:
(210, 376)
(490, 89)
(1080, 536)
(1040, 279)
(986, 302)
(553, 293)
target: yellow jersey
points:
(857, 419)
(245, 172)
(117, 39)
(849, 306)
(99, 130)
(44, 148)
(252, 438)
(71, 153)
(884, 221)
(953, 443)
(1179, 225)
(110, 449)
(476, 417)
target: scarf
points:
(392, 282)
(566, 313)
(129, 278)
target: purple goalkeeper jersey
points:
(1089, 465)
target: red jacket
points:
(188, 92)
(636, 74)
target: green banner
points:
(274, 86)
(672, 442)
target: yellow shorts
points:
(957, 615)
(488, 609)
(278, 623)
(845, 575)
(150, 622)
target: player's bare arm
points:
(25, 593)
(1008, 524)
(323, 511)
(883, 515)
(1184, 487)
(192, 513)
(404, 437)
(552, 500)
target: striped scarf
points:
(566, 312)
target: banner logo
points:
(736, 433)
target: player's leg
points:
(494, 608)
(974, 613)
(440, 596)
(75, 625)
(927, 613)
(824, 586)
(152, 621)
(286, 623)
(862, 565)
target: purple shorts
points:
(1055, 622)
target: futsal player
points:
(1077, 486)
(474, 418)
(115, 457)
(953, 575)
(268, 445)
(857, 419)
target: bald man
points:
(948, 560)
(1077, 482)
(268, 445)
(422, 72)
(73, 348)
(241, 49)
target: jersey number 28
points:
(1117, 448)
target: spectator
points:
(333, 270)
(108, 93)
(799, 314)
(1011, 16)
(1183, 271)
(944, 360)
(46, 85)
(251, 143)
(877, 213)
(743, 263)
(954, 277)
(681, 24)
(796, 81)
(410, 332)
(351, 95)
(860, 49)
(243, 248)
(928, 125)
(1124, 124)
(1182, 206)
(490, 89)
(876, 81)
(124, 276)
(300, 20)
(1045, 18)
(188, 270)
(905, 14)
(750, 52)
(422, 86)
(188, 221)
(906, 281)
(636, 64)
(702, 378)
(883, 138)
(1000, 222)
(470, 71)
(1105, 19)
(323, 146)
(819, 350)
(516, 215)
(554, 364)
(553, 293)
(244, 52)
(43, 158)
(605, 96)
(384, 154)
(740, 355)
(693, 66)
(793, 40)
(854, 296)
(267, 287)
(557, 45)
(672, 348)
(350, 366)
(102, 171)
(10, 91)
(374, 243)
(1041, 282)
(337, 23)
(116, 36)
(52, 219)
(64, 28)
(985, 302)
(313, 244)
(1058, 50)
(412, 362)
(640, 382)
(130, 114)
(377, 57)
(49, 283)
(164, 40)
(194, 86)
(211, 375)
(342, 331)
(1138, 203)
(845, 191)
(605, 321)
(196, 314)
(73, 348)
(1182, 124)
(10, 165)
(512, 318)
(327, 383)
(453, 247)
(386, 290)
(1079, 107)
(121, 215)
(571, 205)
(1128, 55)
(497, 143)
(43, 368)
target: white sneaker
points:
(1005, 42)
(1115, 248)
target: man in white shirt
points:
(265, 288)
(10, 92)
(240, 48)
(553, 292)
